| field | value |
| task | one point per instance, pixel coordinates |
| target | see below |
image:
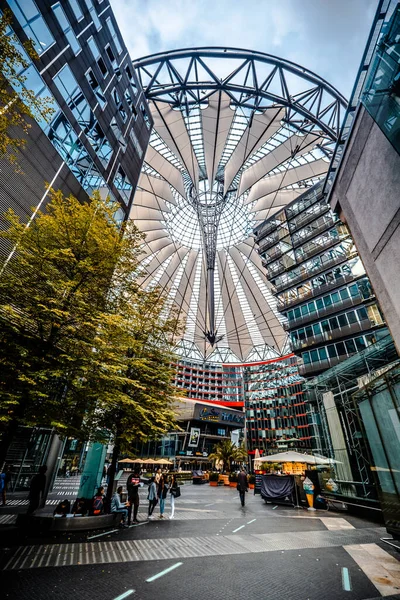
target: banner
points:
(194, 437)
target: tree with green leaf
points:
(227, 452)
(16, 108)
(83, 348)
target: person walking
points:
(132, 485)
(158, 476)
(162, 492)
(119, 507)
(175, 492)
(242, 485)
(36, 490)
(152, 497)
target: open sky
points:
(326, 36)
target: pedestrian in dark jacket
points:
(162, 492)
(36, 489)
(132, 485)
(242, 485)
(7, 480)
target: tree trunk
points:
(114, 459)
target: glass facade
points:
(84, 122)
(319, 283)
(381, 93)
(276, 416)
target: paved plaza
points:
(213, 548)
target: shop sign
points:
(209, 414)
(232, 418)
(189, 452)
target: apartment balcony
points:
(306, 274)
(319, 314)
(321, 365)
(314, 292)
(264, 244)
(335, 334)
(303, 219)
(328, 224)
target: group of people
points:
(159, 487)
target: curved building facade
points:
(237, 135)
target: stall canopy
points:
(163, 461)
(297, 457)
(129, 460)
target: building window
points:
(97, 56)
(123, 185)
(119, 104)
(113, 61)
(66, 27)
(94, 84)
(221, 431)
(77, 103)
(118, 134)
(136, 143)
(32, 23)
(145, 116)
(114, 35)
(76, 9)
(93, 14)
(131, 78)
(129, 102)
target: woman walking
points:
(152, 497)
(175, 493)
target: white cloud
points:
(325, 36)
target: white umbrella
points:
(292, 456)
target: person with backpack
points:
(132, 485)
(242, 486)
(152, 497)
(98, 502)
(175, 492)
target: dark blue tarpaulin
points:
(277, 487)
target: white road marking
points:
(125, 595)
(100, 534)
(252, 521)
(346, 579)
(175, 566)
(235, 530)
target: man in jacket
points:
(132, 485)
(242, 485)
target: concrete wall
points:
(366, 194)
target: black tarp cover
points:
(274, 487)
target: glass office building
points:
(99, 128)
(319, 283)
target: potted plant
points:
(233, 479)
(213, 479)
(252, 481)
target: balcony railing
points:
(334, 334)
(328, 224)
(303, 219)
(313, 292)
(319, 314)
(321, 365)
(337, 260)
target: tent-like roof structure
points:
(237, 135)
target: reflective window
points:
(145, 116)
(77, 103)
(97, 56)
(118, 134)
(136, 143)
(74, 4)
(66, 27)
(114, 35)
(93, 14)
(123, 184)
(119, 104)
(94, 84)
(32, 23)
(131, 78)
